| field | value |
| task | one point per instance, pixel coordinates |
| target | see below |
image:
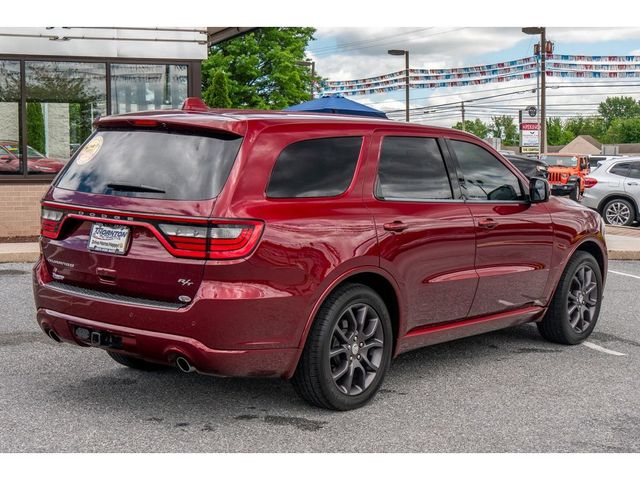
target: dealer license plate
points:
(109, 238)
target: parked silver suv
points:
(613, 189)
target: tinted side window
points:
(620, 169)
(412, 168)
(634, 170)
(486, 178)
(322, 167)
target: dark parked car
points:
(531, 167)
(303, 246)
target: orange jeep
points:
(566, 173)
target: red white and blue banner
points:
(563, 66)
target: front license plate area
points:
(109, 238)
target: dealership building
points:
(55, 81)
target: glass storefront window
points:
(10, 118)
(147, 87)
(63, 99)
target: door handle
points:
(396, 226)
(488, 223)
(632, 183)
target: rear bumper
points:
(165, 348)
(562, 189)
(197, 332)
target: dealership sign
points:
(529, 131)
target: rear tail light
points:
(51, 220)
(589, 182)
(219, 240)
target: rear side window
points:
(412, 168)
(634, 170)
(152, 164)
(322, 167)
(485, 177)
(620, 169)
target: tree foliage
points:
(618, 107)
(477, 127)
(504, 127)
(35, 126)
(624, 130)
(263, 68)
(216, 94)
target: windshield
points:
(152, 164)
(568, 161)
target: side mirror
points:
(539, 190)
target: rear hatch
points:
(128, 217)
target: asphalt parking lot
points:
(499, 392)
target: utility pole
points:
(542, 31)
(406, 78)
(462, 111)
(543, 92)
(308, 63)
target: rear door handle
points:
(396, 226)
(488, 223)
(632, 183)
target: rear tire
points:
(619, 212)
(348, 350)
(575, 307)
(135, 363)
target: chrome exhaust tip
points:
(184, 365)
(54, 336)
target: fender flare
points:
(330, 288)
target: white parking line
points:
(625, 274)
(603, 350)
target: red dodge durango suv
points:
(309, 247)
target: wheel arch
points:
(618, 196)
(375, 278)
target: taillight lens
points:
(222, 241)
(589, 182)
(50, 222)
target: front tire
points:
(619, 212)
(348, 350)
(575, 193)
(575, 307)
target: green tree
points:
(624, 130)
(477, 127)
(505, 128)
(557, 134)
(35, 126)
(217, 93)
(594, 126)
(618, 107)
(262, 67)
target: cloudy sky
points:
(350, 53)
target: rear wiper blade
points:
(130, 187)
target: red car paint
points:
(36, 162)
(454, 269)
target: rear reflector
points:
(589, 182)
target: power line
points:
(339, 46)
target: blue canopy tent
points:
(336, 104)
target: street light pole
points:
(406, 78)
(306, 63)
(462, 111)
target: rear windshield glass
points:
(152, 164)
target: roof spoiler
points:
(194, 104)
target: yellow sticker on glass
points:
(90, 150)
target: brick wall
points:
(20, 209)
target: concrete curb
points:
(624, 255)
(19, 252)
